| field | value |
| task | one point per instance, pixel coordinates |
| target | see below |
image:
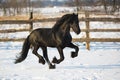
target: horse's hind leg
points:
(74, 54)
(55, 60)
(46, 58)
(41, 59)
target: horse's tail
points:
(24, 51)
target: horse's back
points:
(42, 37)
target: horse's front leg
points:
(46, 58)
(55, 60)
(73, 54)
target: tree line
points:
(13, 7)
(110, 6)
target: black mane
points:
(61, 21)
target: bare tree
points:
(111, 6)
(104, 3)
(115, 6)
(77, 3)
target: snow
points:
(89, 65)
(49, 10)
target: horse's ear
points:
(73, 13)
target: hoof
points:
(52, 66)
(74, 54)
(42, 61)
(55, 60)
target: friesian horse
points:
(58, 36)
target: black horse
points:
(58, 36)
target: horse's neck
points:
(67, 29)
(64, 27)
(59, 31)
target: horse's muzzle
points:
(78, 32)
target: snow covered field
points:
(89, 65)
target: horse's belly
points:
(51, 44)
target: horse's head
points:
(69, 21)
(74, 23)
